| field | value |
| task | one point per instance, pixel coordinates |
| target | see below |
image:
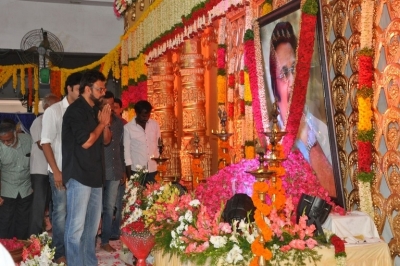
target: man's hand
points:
(104, 115)
(1, 201)
(123, 179)
(58, 180)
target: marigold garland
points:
(30, 85)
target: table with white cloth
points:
(366, 254)
(363, 247)
(354, 227)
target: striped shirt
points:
(14, 167)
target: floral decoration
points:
(365, 95)
(338, 244)
(132, 220)
(39, 252)
(302, 73)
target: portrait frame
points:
(321, 105)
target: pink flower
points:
(311, 243)
(285, 248)
(297, 244)
(225, 227)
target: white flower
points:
(233, 239)
(218, 241)
(194, 203)
(243, 226)
(137, 213)
(189, 216)
(234, 255)
(180, 228)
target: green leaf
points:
(365, 177)
(366, 135)
(366, 51)
(310, 7)
(249, 35)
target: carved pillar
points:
(162, 99)
(193, 102)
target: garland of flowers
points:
(109, 62)
(260, 73)
(338, 244)
(166, 24)
(30, 86)
(7, 72)
(249, 61)
(249, 119)
(304, 55)
(365, 95)
(275, 199)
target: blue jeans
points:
(84, 211)
(109, 199)
(58, 216)
(116, 230)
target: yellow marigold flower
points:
(247, 92)
(221, 86)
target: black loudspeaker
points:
(238, 207)
(316, 209)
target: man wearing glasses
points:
(85, 130)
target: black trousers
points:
(14, 217)
(41, 197)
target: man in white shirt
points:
(51, 145)
(140, 141)
(39, 175)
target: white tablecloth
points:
(357, 255)
(354, 227)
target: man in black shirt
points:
(85, 130)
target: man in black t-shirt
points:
(85, 130)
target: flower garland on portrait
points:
(304, 55)
(365, 95)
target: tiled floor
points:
(109, 259)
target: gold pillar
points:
(193, 101)
(162, 99)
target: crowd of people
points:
(74, 163)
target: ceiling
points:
(77, 2)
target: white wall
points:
(81, 28)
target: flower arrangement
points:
(39, 252)
(133, 203)
(190, 225)
(120, 6)
(183, 226)
(290, 241)
(338, 243)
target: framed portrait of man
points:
(316, 139)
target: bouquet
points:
(39, 252)
(132, 201)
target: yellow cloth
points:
(357, 255)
